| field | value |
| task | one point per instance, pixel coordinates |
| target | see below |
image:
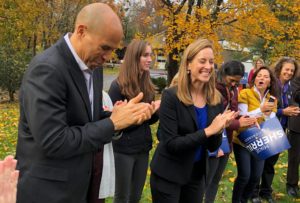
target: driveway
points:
(107, 81)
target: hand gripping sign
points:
(224, 146)
(267, 141)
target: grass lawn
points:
(111, 70)
(9, 114)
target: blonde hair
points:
(212, 95)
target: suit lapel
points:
(209, 114)
(79, 81)
(97, 83)
(76, 74)
(192, 111)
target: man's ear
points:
(81, 30)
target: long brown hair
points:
(212, 95)
(273, 84)
(131, 79)
(279, 65)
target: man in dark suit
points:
(292, 187)
(62, 126)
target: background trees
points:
(268, 28)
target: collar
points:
(81, 64)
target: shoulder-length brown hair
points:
(279, 65)
(131, 79)
(273, 84)
(212, 95)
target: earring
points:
(188, 71)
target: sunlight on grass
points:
(111, 71)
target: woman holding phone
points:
(285, 70)
(254, 103)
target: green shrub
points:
(160, 83)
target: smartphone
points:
(271, 99)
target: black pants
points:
(249, 172)
(216, 169)
(131, 171)
(265, 188)
(164, 191)
(293, 159)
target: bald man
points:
(62, 127)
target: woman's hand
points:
(246, 121)
(156, 105)
(291, 111)
(267, 107)
(8, 180)
(220, 122)
(220, 153)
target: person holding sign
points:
(229, 77)
(191, 122)
(254, 103)
(285, 70)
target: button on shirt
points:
(87, 73)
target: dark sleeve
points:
(154, 118)
(44, 103)
(296, 87)
(234, 125)
(114, 92)
(169, 121)
(215, 141)
(115, 95)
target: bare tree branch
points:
(180, 7)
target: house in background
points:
(157, 42)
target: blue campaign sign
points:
(267, 141)
(224, 146)
(244, 79)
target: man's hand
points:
(8, 180)
(129, 113)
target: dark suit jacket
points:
(174, 157)
(57, 138)
(294, 122)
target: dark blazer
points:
(57, 135)
(294, 121)
(136, 138)
(174, 157)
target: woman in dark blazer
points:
(191, 121)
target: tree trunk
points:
(34, 44)
(11, 94)
(172, 66)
